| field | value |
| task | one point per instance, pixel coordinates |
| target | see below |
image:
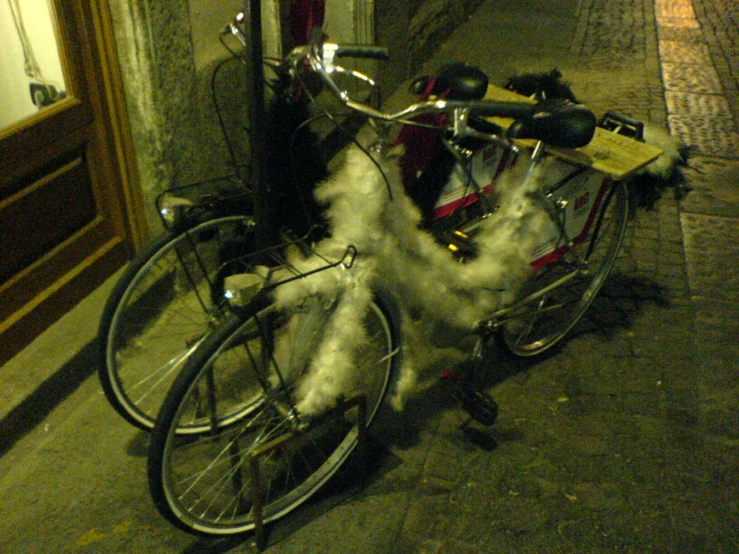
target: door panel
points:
(43, 217)
(65, 184)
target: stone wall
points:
(170, 51)
(413, 30)
(168, 64)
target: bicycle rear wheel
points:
(161, 308)
(544, 322)
(238, 390)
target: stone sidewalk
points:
(625, 439)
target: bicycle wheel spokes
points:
(230, 387)
(231, 395)
(167, 306)
(209, 479)
(210, 475)
(150, 384)
(543, 317)
(212, 478)
(576, 279)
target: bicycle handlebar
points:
(474, 107)
(321, 56)
(556, 123)
(362, 51)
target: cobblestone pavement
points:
(625, 439)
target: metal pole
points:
(257, 117)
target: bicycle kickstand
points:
(479, 405)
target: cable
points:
(351, 138)
(222, 123)
(231, 51)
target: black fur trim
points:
(646, 188)
(426, 188)
(542, 86)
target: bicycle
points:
(170, 295)
(280, 394)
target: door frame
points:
(86, 41)
(115, 112)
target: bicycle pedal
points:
(480, 406)
(459, 243)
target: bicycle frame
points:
(306, 339)
(571, 195)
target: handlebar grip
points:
(362, 51)
(515, 110)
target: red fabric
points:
(420, 143)
(420, 147)
(449, 375)
(304, 16)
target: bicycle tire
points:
(538, 331)
(202, 484)
(160, 307)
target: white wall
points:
(350, 21)
(15, 99)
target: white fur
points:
(395, 255)
(663, 166)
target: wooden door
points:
(68, 201)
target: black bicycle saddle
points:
(560, 123)
(455, 81)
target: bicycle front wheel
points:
(239, 391)
(161, 308)
(543, 322)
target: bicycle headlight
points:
(171, 209)
(240, 289)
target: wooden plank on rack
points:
(616, 155)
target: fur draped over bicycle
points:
(367, 208)
(506, 222)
